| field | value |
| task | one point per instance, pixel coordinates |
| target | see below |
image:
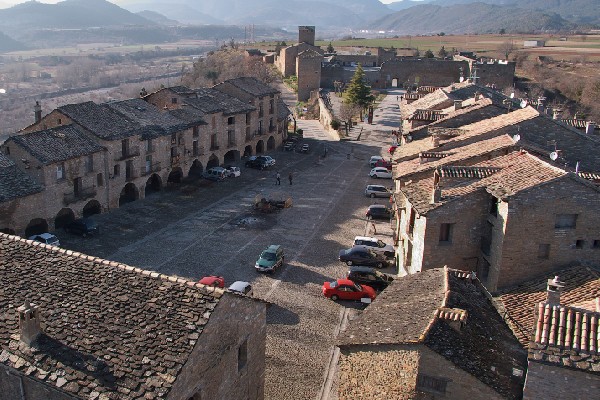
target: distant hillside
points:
(157, 17)
(472, 18)
(180, 12)
(404, 4)
(9, 44)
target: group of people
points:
(278, 178)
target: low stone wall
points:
(325, 118)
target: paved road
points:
(212, 229)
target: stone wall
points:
(325, 118)
(550, 382)
(424, 72)
(214, 371)
(308, 71)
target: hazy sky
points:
(13, 2)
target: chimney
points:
(435, 141)
(556, 113)
(29, 322)
(457, 105)
(555, 287)
(541, 104)
(37, 112)
(589, 127)
(477, 96)
(436, 194)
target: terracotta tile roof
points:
(449, 171)
(101, 120)
(57, 144)
(576, 123)
(436, 100)
(15, 183)
(108, 329)
(406, 168)
(590, 176)
(448, 312)
(518, 304)
(212, 101)
(252, 86)
(427, 115)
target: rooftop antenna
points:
(474, 78)
(554, 156)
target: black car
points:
(378, 211)
(362, 255)
(83, 226)
(256, 162)
(370, 277)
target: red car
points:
(384, 164)
(216, 281)
(345, 289)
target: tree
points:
(429, 54)
(507, 48)
(442, 34)
(347, 112)
(416, 53)
(330, 48)
(357, 91)
(442, 53)
(502, 31)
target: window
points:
(125, 147)
(7, 151)
(271, 106)
(565, 221)
(411, 221)
(59, 121)
(231, 121)
(116, 170)
(446, 233)
(149, 146)
(181, 139)
(90, 163)
(494, 206)
(543, 251)
(77, 186)
(260, 110)
(430, 384)
(579, 244)
(195, 151)
(248, 118)
(100, 180)
(231, 137)
(214, 144)
(173, 138)
(174, 100)
(242, 355)
(60, 171)
(196, 131)
(596, 244)
(213, 121)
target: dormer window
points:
(7, 150)
(59, 121)
(174, 100)
(231, 121)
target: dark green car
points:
(270, 259)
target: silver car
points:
(377, 191)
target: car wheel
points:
(369, 217)
(334, 297)
(379, 265)
(372, 195)
(348, 262)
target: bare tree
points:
(507, 48)
(347, 112)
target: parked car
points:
(241, 287)
(304, 148)
(213, 280)
(345, 289)
(270, 160)
(362, 255)
(378, 211)
(82, 226)
(46, 238)
(374, 160)
(288, 146)
(270, 259)
(215, 174)
(375, 244)
(384, 164)
(370, 277)
(380, 172)
(258, 163)
(233, 172)
(377, 191)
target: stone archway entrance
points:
(129, 194)
(36, 226)
(247, 151)
(175, 176)
(271, 143)
(260, 147)
(213, 161)
(92, 207)
(196, 170)
(64, 216)
(231, 156)
(395, 82)
(153, 185)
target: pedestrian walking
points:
(278, 177)
(373, 228)
(290, 178)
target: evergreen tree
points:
(429, 54)
(330, 48)
(442, 53)
(357, 92)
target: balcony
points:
(131, 152)
(80, 195)
(150, 169)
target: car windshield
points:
(358, 287)
(266, 255)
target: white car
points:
(374, 244)
(374, 160)
(233, 172)
(380, 172)
(46, 238)
(377, 191)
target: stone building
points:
(556, 319)
(435, 334)
(508, 217)
(286, 60)
(78, 327)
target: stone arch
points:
(129, 193)
(395, 82)
(231, 156)
(153, 185)
(175, 176)
(64, 216)
(260, 147)
(213, 161)
(36, 226)
(91, 208)
(271, 143)
(247, 151)
(196, 170)
(7, 231)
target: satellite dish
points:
(517, 137)
(512, 95)
(524, 103)
(553, 156)
(2, 91)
